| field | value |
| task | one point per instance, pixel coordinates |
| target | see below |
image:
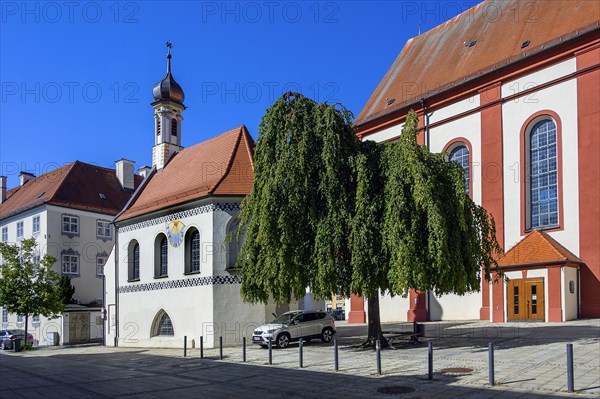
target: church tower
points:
(167, 117)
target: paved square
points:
(530, 362)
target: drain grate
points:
(457, 371)
(395, 390)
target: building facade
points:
(69, 212)
(514, 98)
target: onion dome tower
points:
(168, 105)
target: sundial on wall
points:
(175, 232)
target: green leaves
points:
(29, 286)
(338, 215)
(435, 237)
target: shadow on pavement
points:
(121, 373)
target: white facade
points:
(85, 246)
(205, 303)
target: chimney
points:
(144, 171)
(24, 177)
(125, 173)
(3, 187)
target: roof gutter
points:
(542, 264)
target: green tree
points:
(338, 215)
(67, 290)
(28, 285)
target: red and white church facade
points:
(514, 97)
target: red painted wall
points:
(588, 122)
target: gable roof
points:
(537, 248)
(442, 57)
(219, 166)
(76, 185)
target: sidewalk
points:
(530, 362)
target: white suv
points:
(292, 326)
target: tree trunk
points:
(375, 333)
(26, 327)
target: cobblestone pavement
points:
(530, 362)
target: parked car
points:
(292, 326)
(7, 338)
(338, 314)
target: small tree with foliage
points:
(28, 285)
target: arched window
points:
(234, 243)
(192, 250)
(460, 155)
(133, 260)
(543, 175)
(162, 325)
(174, 127)
(161, 258)
(158, 127)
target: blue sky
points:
(76, 77)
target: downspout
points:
(425, 122)
(116, 287)
(426, 137)
(578, 292)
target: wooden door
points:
(534, 299)
(526, 299)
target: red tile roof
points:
(76, 185)
(441, 58)
(536, 248)
(219, 166)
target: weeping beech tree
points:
(342, 216)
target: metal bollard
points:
(221, 347)
(185, 346)
(491, 364)
(300, 352)
(201, 347)
(244, 349)
(270, 350)
(430, 361)
(570, 374)
(378, 355)
(335, 355)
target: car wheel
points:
(2, 347)
(283, 340)
(327, 335)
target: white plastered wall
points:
(569, 299)
(561, 99)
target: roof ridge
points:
(212, 138)
(230, 161)
(60, 185)
(250, 149)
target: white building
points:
(69, 212)
(513, 95)
(172, 271)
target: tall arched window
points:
(134, 260)
(192, 250)
(234, 243)
(543, 175)
(460, 155)
(161, 256)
